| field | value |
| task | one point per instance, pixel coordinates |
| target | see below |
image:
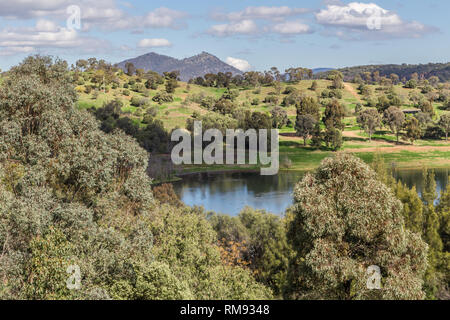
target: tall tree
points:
(444, 123)
(394, 118)
(308, 105)
(304, 126)
(130, 68)
(413, 130)
(279, 117)
(369, 120)
(345, 220)
(334, 113)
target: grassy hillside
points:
(440, 70)
(294, 155)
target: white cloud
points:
(259, 21)
(291, 28)
(45, 34)
(102, 14)
(239, 64)
(262, 12)
(245, 27)
(360, 21)
(154, 43)
(356, 14)
(164, 18)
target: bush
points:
(271, 99)
(290, 89)
(162, 97)
(138, 101)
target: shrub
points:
(138, 101)
(162, 97)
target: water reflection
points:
(230, 192)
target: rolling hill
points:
(441, 70)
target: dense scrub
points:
(72, 195)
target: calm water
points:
(230, 192)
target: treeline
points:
(404, 71)
(253, 79)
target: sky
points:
(248, 34)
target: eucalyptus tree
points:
(444, 123)
(344, 221)
(395, 119)
(369, 120)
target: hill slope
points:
(189, 68)
(441, 70)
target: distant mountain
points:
(319, 70)
(196, 66)
(441, 70)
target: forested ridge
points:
(75, 192)
(440, 70)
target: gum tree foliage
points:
(71, 194)
(444, 123)
(413, 130)
(345, 220)
(279, 117)
(308, 105)
(333, 115)
(369, 120)
(394, 118)
(266, 247)
(304, 126)
(432, 223)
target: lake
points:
(229, 193)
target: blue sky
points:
(250, 34)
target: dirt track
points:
(352, 90)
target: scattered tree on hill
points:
(130, 68)
(369, 120)
(337, 79)
(224, 106)
(333, 138)
(411, 84)
(171, 81)
(279, 117)
(444, 123)
(298, 74)
(304, 126)
(394, 118)
(412, 128)
(334, 114)
(308, 105)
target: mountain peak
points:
(192, 67)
